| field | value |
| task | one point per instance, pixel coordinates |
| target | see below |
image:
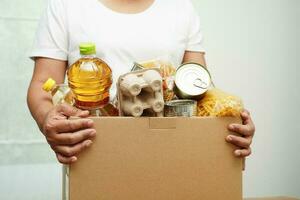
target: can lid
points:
(87, 48)
(192, 79)
(49, 84)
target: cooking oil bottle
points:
(61, 93)
(109, 110)
(90, 79)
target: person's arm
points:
(40, 102)
(66, 137)
(196, 57)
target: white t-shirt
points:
(167, 28)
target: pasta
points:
(219, 104)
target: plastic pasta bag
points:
(220, 104)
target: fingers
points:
(74, 138)
(65, 160)
(239, 141)
(246, 111)
(69, 151)
(243, 152)
(69, 110)
(73, 125)
(67, 154)
(83, 114)
(245, 115)
(68, 137)
(245, 130)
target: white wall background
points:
(252, 50)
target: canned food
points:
(192, 80)
(181, 108)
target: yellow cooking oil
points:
(60, 93)
(90, 79)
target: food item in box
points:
(61, 93)
(220, 104)
(192, 80)
(90, 79)
(167, 71)
(140, 93)
(181, 108)
(109, 110)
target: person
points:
(124, 31)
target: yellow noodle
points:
(220, 104)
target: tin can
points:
(192, 80)
(181, 108)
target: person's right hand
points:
(67, 137)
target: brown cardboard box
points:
(158, 159)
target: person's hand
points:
(67, 137)
(246, 133)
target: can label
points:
(181, 108)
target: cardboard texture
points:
(158, 159)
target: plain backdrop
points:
(252, 51)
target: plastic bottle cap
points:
(87, 48)
(48, 85)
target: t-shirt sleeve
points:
(51, 39)
(195, 37)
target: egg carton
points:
(140, 93)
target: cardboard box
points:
(158, 159)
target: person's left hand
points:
(246, 133)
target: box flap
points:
(162, 123)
